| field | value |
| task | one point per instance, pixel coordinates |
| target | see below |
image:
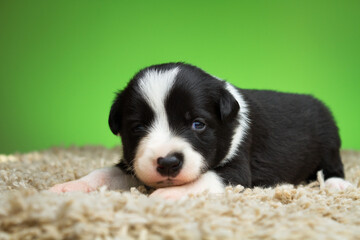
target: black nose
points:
(170, 165)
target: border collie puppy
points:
(185, 131)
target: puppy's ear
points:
(115, 115)
(228, 106)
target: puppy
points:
(185, 131)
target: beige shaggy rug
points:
(28, 211)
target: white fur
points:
(241, 130)
(337, 184)
(155, 86)
(113, 178)
(160, 141)
(158, 144)
(208, 181)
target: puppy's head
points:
(175, 121)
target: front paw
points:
(170, 193)
(72, 186)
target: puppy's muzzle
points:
(170, 165)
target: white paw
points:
(170, 193)
(209, 181)
(337, 184)
(72, 186)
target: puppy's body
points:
(185, 131)
(290, 138)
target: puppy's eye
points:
(198, 125)
(139, 128)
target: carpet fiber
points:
(28, 211)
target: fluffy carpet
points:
(28, 211)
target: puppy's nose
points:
(170, 165)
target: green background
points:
(62, 61)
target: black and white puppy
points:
(185, 131)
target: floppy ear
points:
(228, 106)
(115, 115)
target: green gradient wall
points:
(62, 61)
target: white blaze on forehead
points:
(155, 86)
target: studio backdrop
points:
(62, 61)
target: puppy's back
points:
(291, 136)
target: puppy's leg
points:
(112, 177)
(333, 170)
(208, 181)
(331, 164)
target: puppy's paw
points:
(169, 193)
(72, 186)
(337, 184)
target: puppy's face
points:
(175, 121)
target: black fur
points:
(290, 138)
